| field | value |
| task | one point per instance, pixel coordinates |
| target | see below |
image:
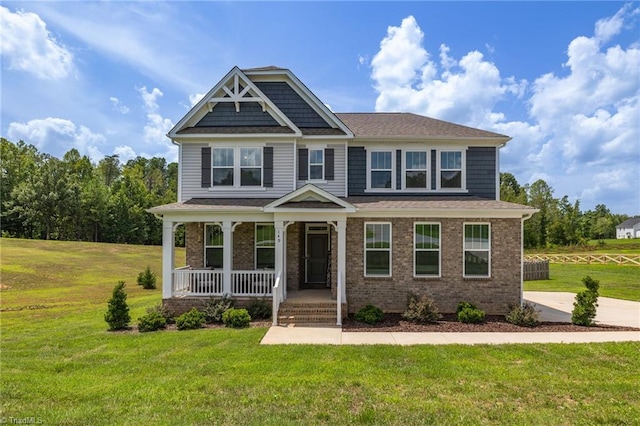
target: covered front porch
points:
(259, 252)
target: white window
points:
(381, 171)
(265, 246)
(415, 170)
(426, 246)
(451, 170)
(213, 246)
(477, 250)
(316, 164)
(236, 167)
(223, 169)
(377, 249)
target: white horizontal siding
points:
(337, 185)
(283, 163)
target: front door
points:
(317, 256)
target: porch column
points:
(279, 254)
(342, 265)
(227, 256)
(168, 258)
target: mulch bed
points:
(449, 324)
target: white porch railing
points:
(207, 282)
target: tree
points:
(540, 196)
(117, 315)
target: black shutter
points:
(398, 169)
(328, 164)
(267, 153)
(205, 180)
(303, 164)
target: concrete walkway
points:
(553, 306)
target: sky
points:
(561, 78)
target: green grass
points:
(59, 365)
(617, 281)
(608, 246)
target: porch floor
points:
(310, 296)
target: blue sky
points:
(561, 78)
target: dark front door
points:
(317, 258)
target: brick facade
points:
(494, 294)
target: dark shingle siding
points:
(481, 172)
(224, 114)
(357, 170)
(291, 104)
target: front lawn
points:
(60, 366)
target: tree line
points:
(558, 222)
(44, 197)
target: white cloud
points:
(27, 45)
(125, 153)
(582, 130)
(58, 135)
(156, 127)
(195, 98)
(118, 105)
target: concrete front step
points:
(307, 319)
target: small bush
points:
(151, 322)
(525, 315)
(164, 311)
(214, 309)
(468, 313)
(117, 315)
(236, 318)
(147, 279)
(370, 314)
(584, 307)
(259, 309)
(421, 310)
(190, 320)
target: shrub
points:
(259, 309)
(190, 320)
(214, 309)
(525, 315)
(584, 307)
(236, 318)
(468, 313)
(370, 314)
(147, 279)
(151, 322)
(164, 311)
(421, 310)
(117, 315)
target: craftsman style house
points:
(279, 194)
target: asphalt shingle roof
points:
(629, 223)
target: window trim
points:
(205, 246)
(390, 250)
(427, 170)
(256, 248)
(392, 170)
(439, 250)
(465, 249)
(237, 168)
(463, 170)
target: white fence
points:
(207, 282)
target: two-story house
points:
(279, 194)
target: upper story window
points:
(236, 167)
(381, 171)
(451, 170)
(415, 170)
(316, 164)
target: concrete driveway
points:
(557, 307)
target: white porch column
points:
(342, 256)
(168, 258)
(279, 254)
(227, 256)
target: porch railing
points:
(207, 282)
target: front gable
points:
(309, 197)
